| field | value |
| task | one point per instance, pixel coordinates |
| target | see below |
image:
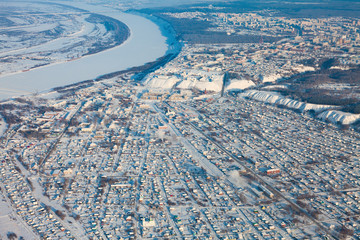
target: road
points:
(258, 178)
(52, 147)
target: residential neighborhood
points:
(206, 146)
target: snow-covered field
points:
(239, 84)
(34, 35)
(271, 78)
(145, 44)
(187, 79)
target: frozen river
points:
(145, 44)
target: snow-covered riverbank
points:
(146, 43)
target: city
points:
(203, 147)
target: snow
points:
(341, 67)
(203, 161)
(162, 82)
(335, 86)
(271, 78)
(209, 86)
(201, 80)
(85, 30)
(9, 222)
(75, 227)
(209, 81)
(186, 84)
(17, 20)
(3, 126)
(61, 42)
(33, 24)
(204, 96)
(275, 86)
(326, 112)
(235, 178)
(38, 28)
(145, 44)
(263, 96)
(239, 84)
(302, 68)
(339, 117)
(50, 95)
(276, 98)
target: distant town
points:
(251, 134)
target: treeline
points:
(289, 9)
(222, 37)
(12, 112)
(185, 25)
(352, 108)
(305, 87)
(141, 71)
(33, 134)
(323, 97)
(197, 32)
(10, 118)
(74, 87)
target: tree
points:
(76, 217)
(345, 232)
(11, 235)
(60, 214)
(243, 198)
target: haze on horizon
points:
(139, 3)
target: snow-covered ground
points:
(3, 126)
(340, 67)
(193, 79)
(11, 223)
(163, 82)
(239, 84)
(302, 68)
(325, 112)
(339, 117)
(37, 34)
(86, 28)
(276, 98)
(271, 78)
(145, 44)
(190, 79)
(275, 86)
(335, 86)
